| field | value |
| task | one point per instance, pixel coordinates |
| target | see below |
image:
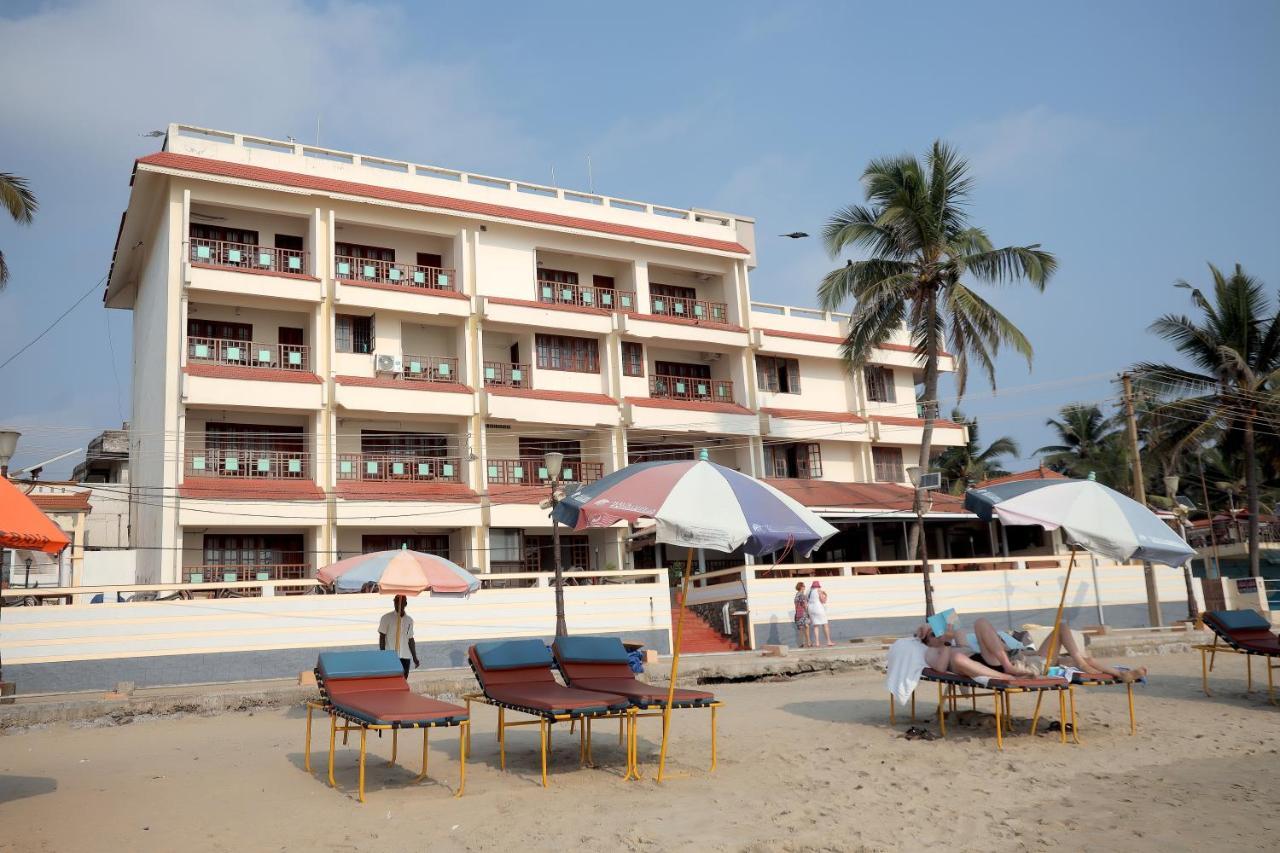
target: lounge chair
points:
(515, 675)
(1245, 632)
(999, 690)
(368, 690)
(600, 663)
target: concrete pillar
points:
(640, 277)
(871, 541)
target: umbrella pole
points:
(675, 664)
(1051, 658)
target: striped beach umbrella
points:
(401, 572)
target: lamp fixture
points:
(553, 461)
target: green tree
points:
(17, 198)
(967, 464)
(1089, 442)
(923, 255)
(1233, 348)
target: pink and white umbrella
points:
(401, 572)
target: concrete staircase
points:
(699, 636)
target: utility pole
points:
(1140, 495)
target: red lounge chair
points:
(368, 690)
(600, 663)
(515, 675)
(1245, 632)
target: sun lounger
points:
(600, 663)
(1245, 632)
(515, 675)
(368, 690)
(950, 684)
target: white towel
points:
(904, 665)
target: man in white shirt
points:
(402, 639)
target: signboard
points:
(1247, 586)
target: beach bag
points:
(822, 596)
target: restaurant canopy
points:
(24, 526)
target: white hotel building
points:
(336, 353)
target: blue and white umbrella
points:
(1091, 515)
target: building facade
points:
(336, 353)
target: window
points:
(434, 543)
(536, 448)
(888, 464)
(558, 352)
(779, 375)
(796, 461)
(266, 550)
(218, 329)
(403, 443)
(226, 235)
(658, 452)
(506, 548)
(632, 358)
(558, 276)
(355, 250)
(430, 259)
(682, 369)
(672, 291)
(353, 334)
(879, 381)
(288, 241)
(539, 553)
(253, 438)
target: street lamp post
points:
(554, 463)
(1180, 513)
(8, 444)
(918, 503)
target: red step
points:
(698, 636)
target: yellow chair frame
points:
(1209, 652)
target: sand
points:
(806, 764)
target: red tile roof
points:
(1041, 473)
(914, 422)
(886, 497)
(367, 490)
(396, 288)
(252, 271)
(689, 405)
(61, 501)
(685, 321)
(835, 339)
(551, 306)
(262, 374)
(205, 166)
(402, 384)
(552, 396)
(806, 415)
(244, 488)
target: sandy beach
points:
(805, 764)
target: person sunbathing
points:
(992, 658)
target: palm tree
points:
(963, 466)
(923, 254)
(1234, 350)
(1089, 442)
(21, 203)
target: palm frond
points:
(17, 198)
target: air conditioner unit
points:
(711, 356)
(388, 363)
(931, 481)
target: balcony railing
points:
(220, 253)
(559, 293)
(506, 374)
(249, 354)
(399, 467)
(527, 472)
(690, 309)
(411, 276)
(430, 368)
(684, 388)
(248, 463)
(218, 573)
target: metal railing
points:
(685, 388)
(430, 368)
(399, 467)
(249, 354)
(244, 572)
(248, 463)
(507, 374)
(246, 256)
(690, 309)
(586, 296)
(525, 472)
(395, 273)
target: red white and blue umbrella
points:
(401, 572)
(698, 504)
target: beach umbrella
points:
(1097, 518)
(696, 505)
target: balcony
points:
(698, 310)
(429, 368)
(246, 463)
(683, 388)
(507, 374)
(395, 274)
(240, 573)
(249, 354)
(585, 296)
(246, 256)
(532, 472)
(398, 468)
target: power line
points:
(49, 328)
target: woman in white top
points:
(818, 612)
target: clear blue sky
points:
(1135, 140)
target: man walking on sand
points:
(400, 625)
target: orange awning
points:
(24, 526)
